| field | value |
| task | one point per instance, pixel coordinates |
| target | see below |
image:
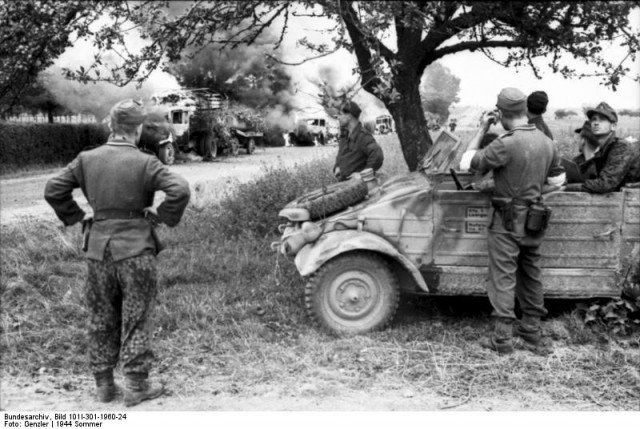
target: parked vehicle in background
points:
(313, 131)
(201, 118)
(384, 125)
(359, 244)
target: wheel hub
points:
(352, 298)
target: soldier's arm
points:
(176, 190)
(613, 172)
(474, 145)
(58, 193)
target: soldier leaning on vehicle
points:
(606, 162)
(119, 182)
(358, 150)
(522, 161)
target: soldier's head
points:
(349, 112)
(512, 104)
(585, 133)
(603, 119)
(126, 118)
(156, 128)
(537, 103)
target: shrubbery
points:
(253, 207)
(25, 145)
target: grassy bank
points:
(231, 309)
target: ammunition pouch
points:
(538, 217)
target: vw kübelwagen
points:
(359, 244)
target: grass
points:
(229, 308)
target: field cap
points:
(605, 110)
(352, 108)
(537, 102)
(128, 112)
(511, 99)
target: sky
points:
(481, 78)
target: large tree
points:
(393, 42)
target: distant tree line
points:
(565, 113)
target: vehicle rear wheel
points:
(167, 154)
(250, 145)
(354, 293)
(330, 199)
(208, 146)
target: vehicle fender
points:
(312, 256)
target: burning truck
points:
(202, 122)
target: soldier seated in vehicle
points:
(606, 162)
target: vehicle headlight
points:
(311, 231)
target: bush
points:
(24, 145)
(253, 207)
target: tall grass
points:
(232, 310)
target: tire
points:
(202, 145)
(250, 145)
(167, 154)
(352, 294)
(330, 199)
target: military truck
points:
(202, 122)
(359, 244)
(313, 131)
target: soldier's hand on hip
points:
(151, 214)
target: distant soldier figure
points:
(537, 103)
(358, 149)
(120, 181)
(452, 124)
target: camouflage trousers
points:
(119, 297)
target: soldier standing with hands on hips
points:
(521, 161)
(119, 182)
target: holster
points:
(86, 231)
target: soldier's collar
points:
(120, 141)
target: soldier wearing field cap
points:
(606, 162)
(537, 103)
(357, 150)
(119, 182)
(521, 161)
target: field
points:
(231, 332)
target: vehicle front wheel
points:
(167, 154)
(250, 145)
(354, 293)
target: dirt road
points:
(23, 197)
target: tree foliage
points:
(439, 90)
(393, 42)
(33, 33)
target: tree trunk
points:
(411, 124)
(50, 115)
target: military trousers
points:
(514, 272)
(119, 297)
